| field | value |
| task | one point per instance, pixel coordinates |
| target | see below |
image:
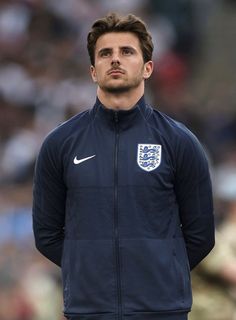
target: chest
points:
(137, 156)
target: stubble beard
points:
(122, 88)
(116, 90)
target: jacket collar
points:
(123, 118)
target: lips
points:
(115, 72)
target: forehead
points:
(118, 39)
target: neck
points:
(119, 101)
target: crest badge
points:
(149, 156)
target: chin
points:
(117, 89)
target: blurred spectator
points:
(14, 22)
(180, 13)
(214, 281)
(15, 85)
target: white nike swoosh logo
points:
(76, 161)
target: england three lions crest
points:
(149, 156)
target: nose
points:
(115, 59)
(115, 62)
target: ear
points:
(148, 69)
(93, 73)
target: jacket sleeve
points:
(49, 196)
(194, 196)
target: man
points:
(122, 193)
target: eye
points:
(105, 53)
(127, 51)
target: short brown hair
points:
(115, 23)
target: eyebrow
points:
(104, 50)
(110, 49)
(128, 47)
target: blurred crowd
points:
(44, 79)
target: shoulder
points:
(67, 130)
(55, 141)
(183, 144)
(176, 132)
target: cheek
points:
(100, 70)
(136, 68)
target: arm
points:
(49, 196)
(194, 197)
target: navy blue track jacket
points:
(123, 203)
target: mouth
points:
(115, 72)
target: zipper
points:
(116, 218)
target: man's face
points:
(119, 65)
